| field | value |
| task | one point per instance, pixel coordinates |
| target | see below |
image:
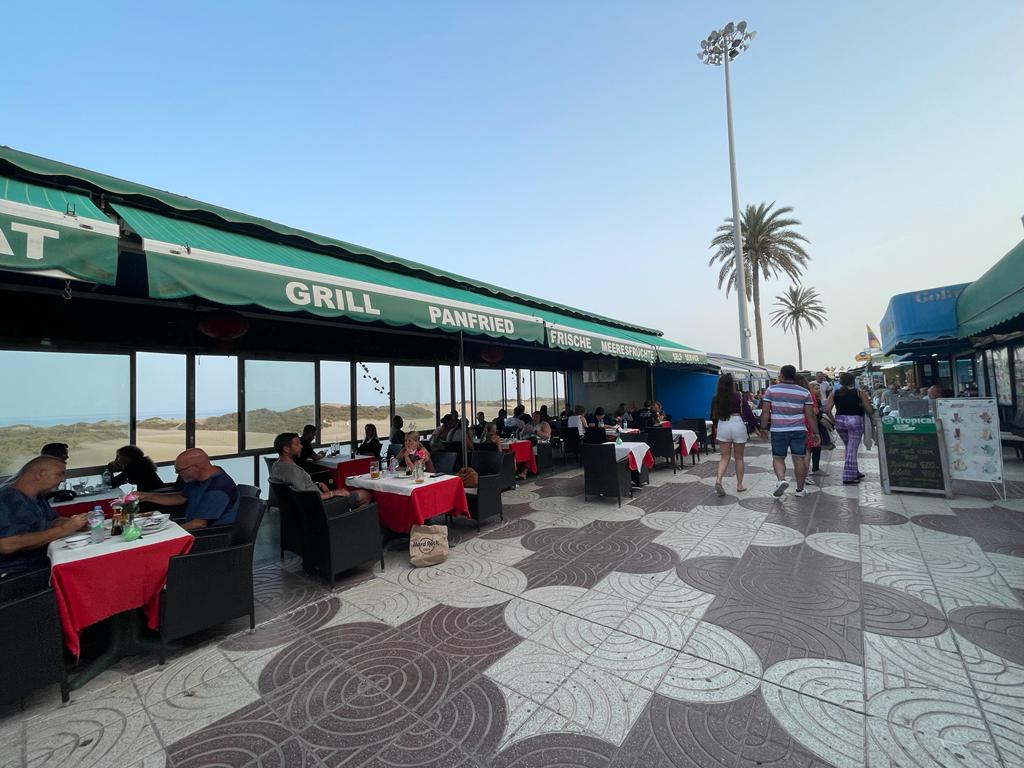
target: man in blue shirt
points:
(210, 496)
(27, 521)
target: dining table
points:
(403, 503)
(344, 467)
(84, 501)
(113, 578)
(522, 450)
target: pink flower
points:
(130, 497)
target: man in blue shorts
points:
(790, 409)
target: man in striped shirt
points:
(790, 409)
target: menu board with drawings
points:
(971, 430)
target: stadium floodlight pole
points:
(720, 47)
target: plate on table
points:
(76, 541)
(154, 526)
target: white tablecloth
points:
(334, 461)
(639, 450)
(403, 485)
(688, 436)
(59, 554)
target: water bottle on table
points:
(96, 533)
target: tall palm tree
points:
(798, 305)
(770, 247)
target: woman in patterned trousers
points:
(850, 405)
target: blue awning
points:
(921, 316)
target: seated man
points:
(286, 470)
(210, 496)
(27, 522)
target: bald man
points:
(27, 521)
(210, 495)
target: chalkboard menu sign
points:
(913, 455)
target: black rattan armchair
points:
(602, 474)
(570, 437)
(663, 446)
(30, 644)
(210, 587)
(333, 543)
(290, 525)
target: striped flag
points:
(873, 342)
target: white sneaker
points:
(800, 492)
(780, 488)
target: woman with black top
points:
(132, 466)
(735, 421)
(851, 405)
(371, 443)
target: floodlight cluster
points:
(730, 40)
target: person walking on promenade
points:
(789, 408)
(735, 421)
(850, 405)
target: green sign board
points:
(682, 356)
(36, 239)
(917, 425)
(564, 337)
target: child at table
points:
(414, 451)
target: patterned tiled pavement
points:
(847, 628)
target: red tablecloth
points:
(522, 450)
(648, 461)
(85, 505)
(400, 513)
(95, 588)
(358, 465)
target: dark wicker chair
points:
(445, 461)
(570, 437)
(603, 475)
(242, 531)
(545, 457)
(31, 653)
(290, 525)
(508, 471)
(595, 435)
(485, 500)
(211, 586)
(333, 543)
(663, 446)
(634, 437)
(701, 428)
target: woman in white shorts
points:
(731, 412)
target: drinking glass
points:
(375, 470)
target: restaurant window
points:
(217, 404)
(526, 389)
(444, 392)
(964, 373)
(544, 391)
(559, 393)
(335, 402)
(981, 372)
(279, 397)
(511, 389)
(373, 398)
(1018, 376)
(160, 405)
(1001, 375)
(50, 397)
(487, 392)
(415, 397)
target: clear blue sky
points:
(571, 148)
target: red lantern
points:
(223, 325)
(492, 355)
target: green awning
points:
(189, 259)
(672, 352)
(141, 196)
(55, 233)
(994, 298)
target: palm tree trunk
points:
(756, 291)
(799, 348)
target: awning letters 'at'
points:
(44, 240)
